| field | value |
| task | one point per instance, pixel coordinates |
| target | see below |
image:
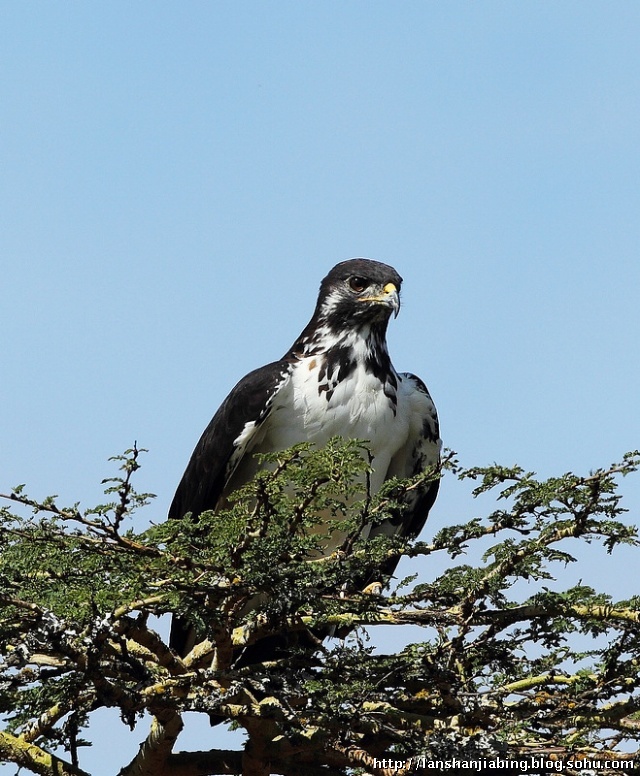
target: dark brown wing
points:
(225, 441)
(420, 453)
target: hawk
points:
(337, 379)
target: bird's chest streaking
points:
(339, 394)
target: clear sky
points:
(176, 179)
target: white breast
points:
(312, 406)
(356, 408)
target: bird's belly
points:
(356, 408)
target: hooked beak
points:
(389, 297)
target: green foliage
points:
(494, 673)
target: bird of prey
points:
(336, 380)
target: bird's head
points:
(359, 293)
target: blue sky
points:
(176, 178)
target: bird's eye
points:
(357, 284)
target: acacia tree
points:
(553, 675)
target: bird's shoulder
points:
(227, 437)
(423, 415)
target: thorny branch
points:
(490, 673)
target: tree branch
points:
(17, 750)
(152, 758)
